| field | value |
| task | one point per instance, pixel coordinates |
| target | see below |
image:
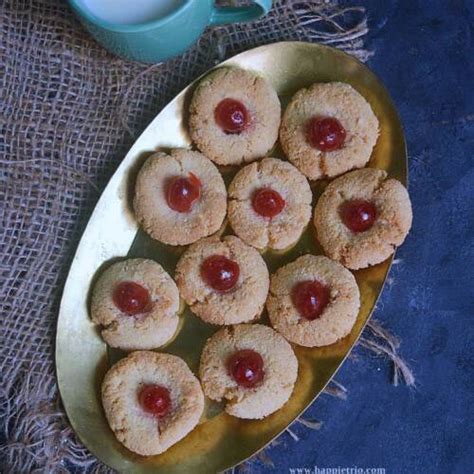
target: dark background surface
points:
(425, 56)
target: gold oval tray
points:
(82, 358)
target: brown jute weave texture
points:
(69, 113)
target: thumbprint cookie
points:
(136, 303)
(151, 401)
(223, 281)
(362, 217)
(328, 129)
(269, 204)
(180, 197)
(234, 116)
(313, 301)
(250, 367)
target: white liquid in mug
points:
(130, 12)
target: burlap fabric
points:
(69, 113)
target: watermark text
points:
(337, 470)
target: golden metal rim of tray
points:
(82, 358)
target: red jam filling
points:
(267, 202)
(310, 298)
(220, 273)
(246, 368)
(326, 133)
(358, 215)
(232, 116)
(155, 399)
(183, 192)
(131, 298)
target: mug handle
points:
(223, 15)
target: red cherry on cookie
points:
(220, 273)
(326, 133)
(183, 192)
(310, 298)
(232, 116)
(131, 298)
(267, 202)
(155, 399)
(358, 215)
(246, 368)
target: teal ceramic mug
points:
(168, 35)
